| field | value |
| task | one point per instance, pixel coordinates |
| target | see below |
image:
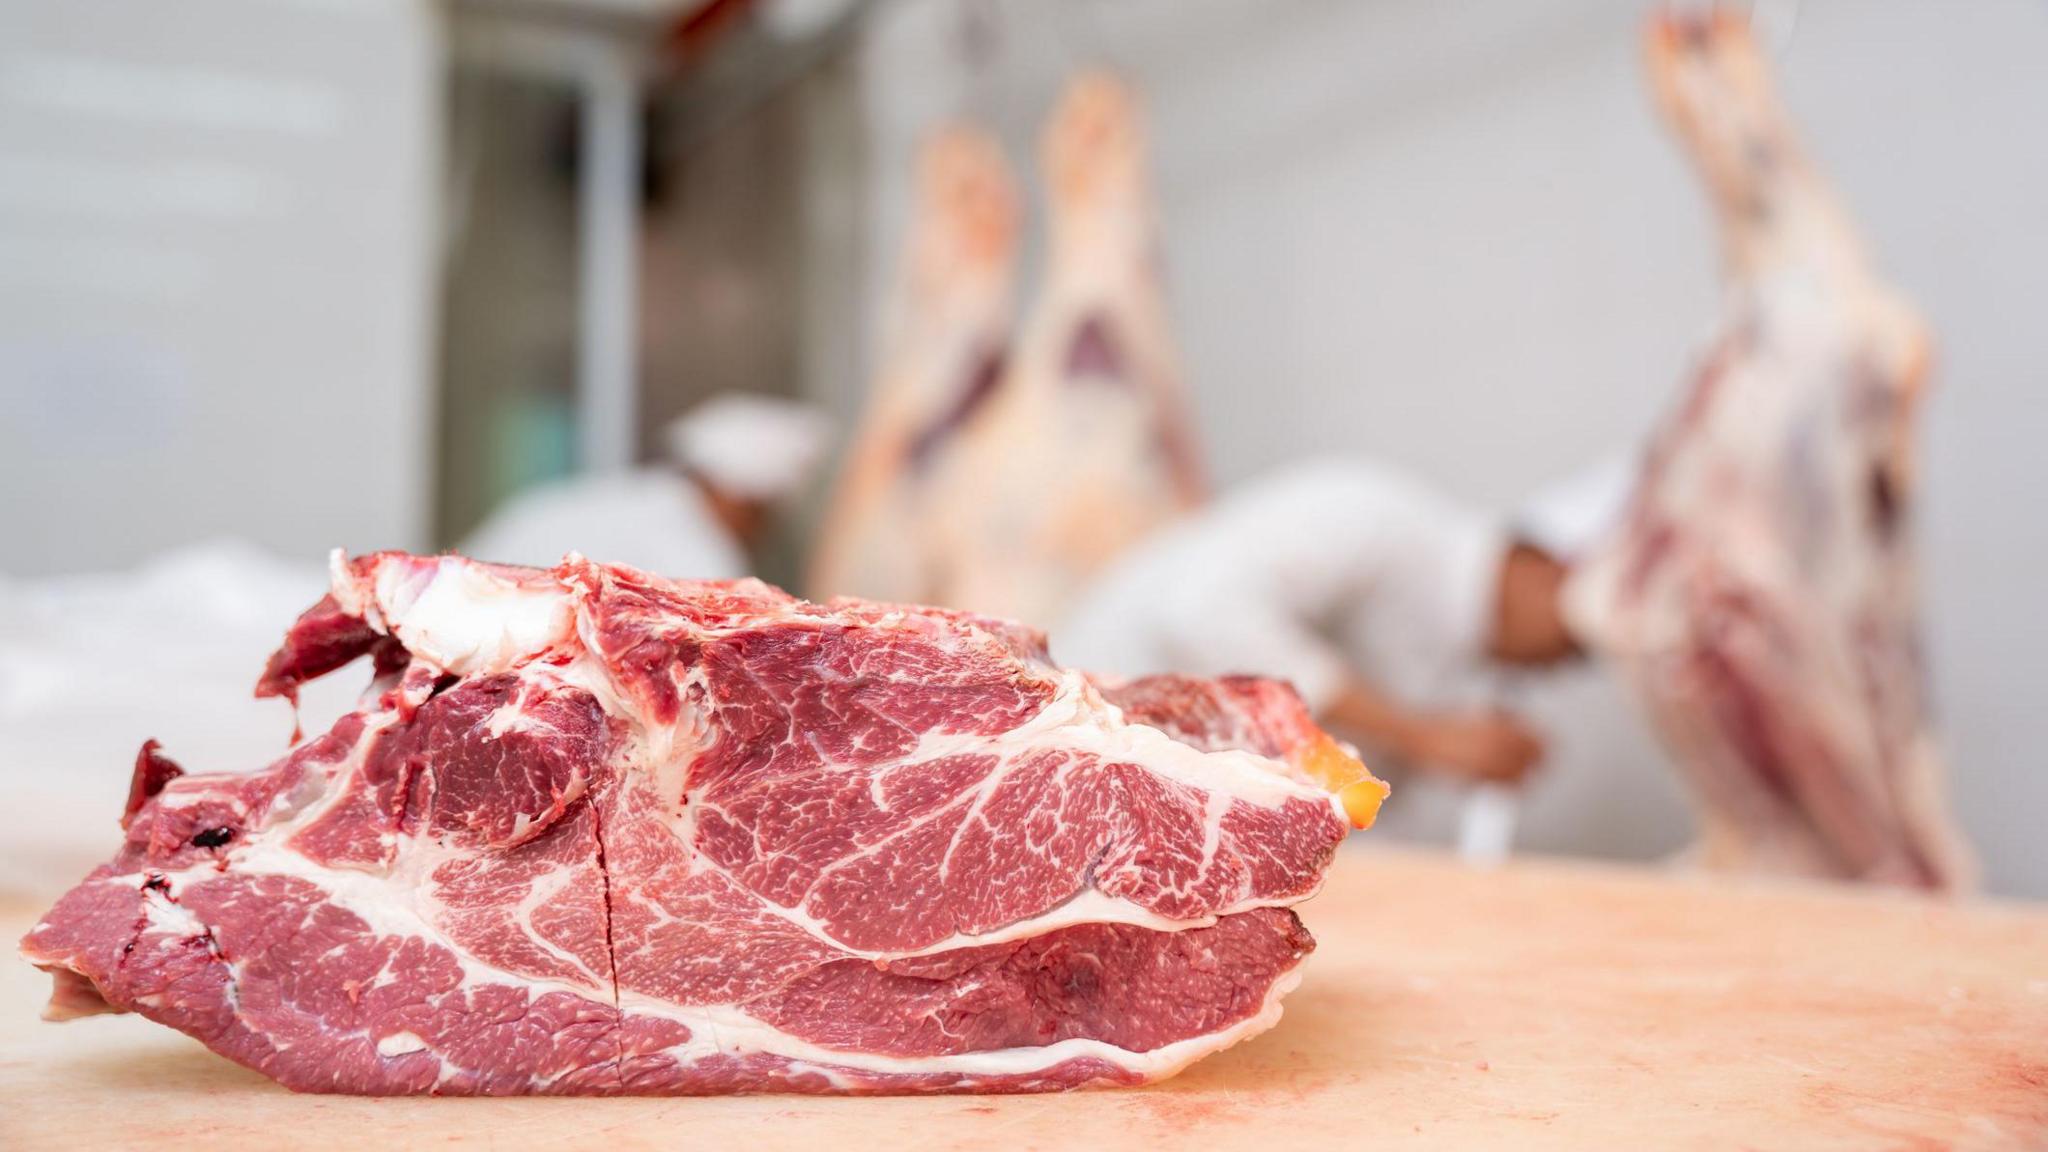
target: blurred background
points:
(279, 276)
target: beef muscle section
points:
(597, 832)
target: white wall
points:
(1453, 235)
(216, 261)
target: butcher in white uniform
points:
(1391, 607)
(731, 460)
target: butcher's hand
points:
(1486, 747)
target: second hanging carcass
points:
(1088, 444)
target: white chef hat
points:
(1568, 516)
(750, 445)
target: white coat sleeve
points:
(1261, 639)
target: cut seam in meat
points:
(611, 954)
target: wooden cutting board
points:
(1547, 1005)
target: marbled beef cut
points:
(593, 831)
